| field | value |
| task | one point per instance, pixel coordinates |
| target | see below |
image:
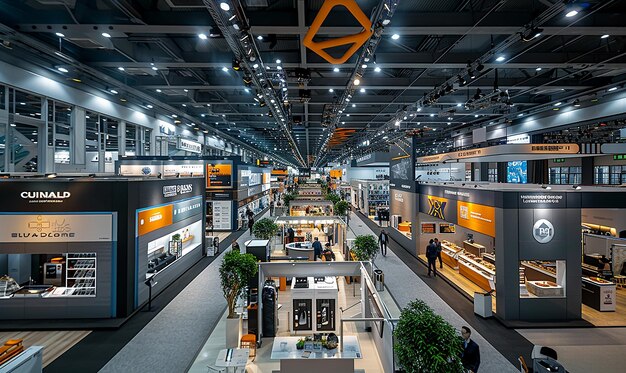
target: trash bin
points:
(379, 280)
(482, 304)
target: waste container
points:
(482, 304)
(379, 280)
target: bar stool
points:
(249, 341)
(620, 281)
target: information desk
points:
(599, 294)
(322, 360)
(305, 250)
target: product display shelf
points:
(473, 247)
(80, 273)
(546, 271)
(479, 274)
(449, 254)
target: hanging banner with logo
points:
(477, 217)
(189, 146)
(44, 228)
(219, 174)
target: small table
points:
(238, 358)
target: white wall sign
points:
(174, 190)
(165, 170)
(222, 211)
(189, 146)
(56, 228)
(522, 138)
(45, 197)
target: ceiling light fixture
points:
(612, 89)
(113, 91)
(59, 35)
(158, 90)
(225, 69)
(202, 36)
(362, 90)
(224, 6)
(571, 13)
(106, 34)
(357, 81)
(331, 90)
(260, 37)
(120, 68)
(604, 36)
(500, 58)
(336, 69)
(395, 36)
(62, 69)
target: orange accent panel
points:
(357, 40)
(477, 217)
(153, 219)
(219, 175)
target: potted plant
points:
(236, 271)
(365, 248)
(425, 342)
(288, 197)
(265, 229)
(341, 208)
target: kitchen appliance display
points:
(325, 309)
(302, 314)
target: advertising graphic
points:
(154, 218)
(56, 228)
(477, 217)
(543, 231)
(517, 172)
(219, 175)
(401, 169)
(302, 314)
(437, 206)
(325, 309)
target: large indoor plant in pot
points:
(236, 271)
(425, 342)
(365, 248)
(265, 229)
(341, 208)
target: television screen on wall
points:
(516, 172)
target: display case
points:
(473, 247)
(8, 286)
(547, 289)
(599, 294)
(450, 253)
(377, 196)
(542, 278)
(477, 270)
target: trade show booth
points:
(95, 248)
(305, 207)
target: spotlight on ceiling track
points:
(215, 32)
(236, 64)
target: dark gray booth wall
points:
(403, 203)
(514, 226)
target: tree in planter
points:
(341, 208)
(332, 197)
(265, 229)
(288, 197)
(425, 342)
(365, 247)
(235, 272)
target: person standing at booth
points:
(431, 255)
(438, 246)
(317, 249)
(291, 235)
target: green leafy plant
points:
(425, 342)
(235, 272)
(265, 229)
(288, 197)
(333, 198)
(365, 247)
(341, 208)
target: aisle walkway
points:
(405, 286)
(170, 342)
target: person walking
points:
(431, 255)
(470, 357)
(438, 245)
(317, 249)
(291, 235)
(383, 239)
(330, 234)
(250, 224)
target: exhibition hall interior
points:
(304, 186)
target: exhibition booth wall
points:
(84, 248)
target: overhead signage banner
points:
(155, 218)
(219, 175)
(279, 172)
(477, 217)
(507, 149)
(402, 165)
(189, 146)
(542, 200)
(43, 228)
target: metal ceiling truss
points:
(269, 85)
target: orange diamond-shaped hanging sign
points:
(357, 40)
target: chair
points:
(249, 341)
(523, 368)
(542, 352)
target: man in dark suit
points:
(471, 352)
(431, 255)
(383, 239)
(317, 249)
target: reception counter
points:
(293, 360)
(304, 251)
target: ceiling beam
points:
(367, 87)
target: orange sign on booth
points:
(477, 217)
(153, 219)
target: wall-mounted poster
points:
(517, 172)
(325, 309)
(446, 228)
(219, 174)
(429, 228)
